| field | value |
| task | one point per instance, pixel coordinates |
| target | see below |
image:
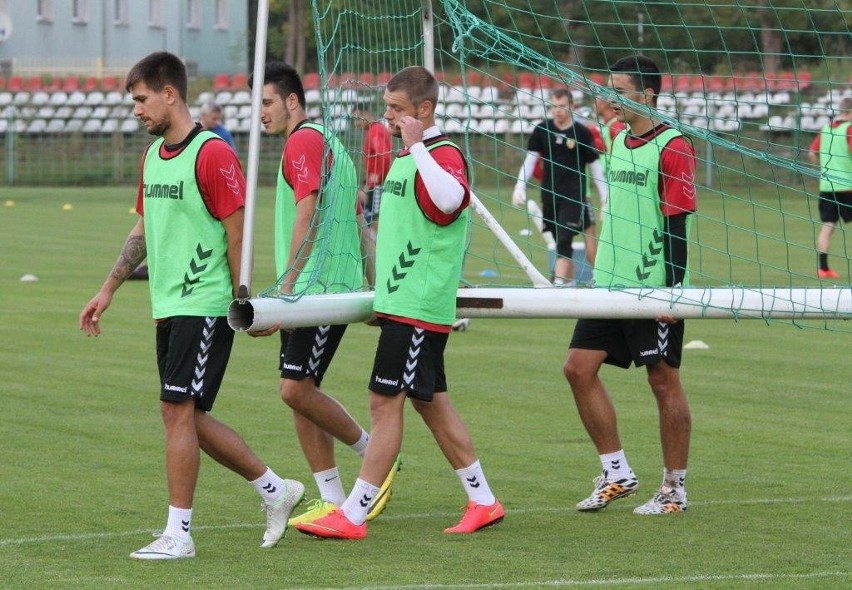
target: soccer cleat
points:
(334, 525)
(665, 501)
(316, 509)
(166, 547)
(381, 500)
(828, 274)
(606, 491)
(476, 517)
(278, 513)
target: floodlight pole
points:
(244, 291)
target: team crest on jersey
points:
(570, 143)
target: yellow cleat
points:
(316, 510)
(383, 497)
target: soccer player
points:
(418, 264)
(190, 205)
(311, 209)
(565, 148)
(377, 151)
(832, 150)
(643, 244)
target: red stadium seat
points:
(526, 80)
(804, 80)
(667, 85)
(311, 80)
(33, 83)
(109, 83)
(239, 81)
(367, 79)
(598, 78)
(70, 84)
(682, 83)
(221, 82)
(54, 84)
(473, 78)
(383, 78)
(89, 84)
(16, 84)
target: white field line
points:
(71, 537)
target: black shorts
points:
(643, 342)
(192, 355)
(562, 215)
(835, 206)
(409, 359)
(308, 351)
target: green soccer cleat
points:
(316, 509)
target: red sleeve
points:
(815, 143)
(615, 128)
(377, 151)
(302, 163)
(677, 177)
(220, 178)
(450, 159)
(597, 138)
(140, 191)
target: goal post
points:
(751, 116)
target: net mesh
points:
(751, 86)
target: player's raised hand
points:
(91, 314)
(411, 130)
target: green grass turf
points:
(82, 477)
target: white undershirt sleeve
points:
(527, 167)
(444, 189)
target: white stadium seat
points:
(129, 126)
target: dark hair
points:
(562, 93)
(417, 82)
(285, 78)
(643, 72)
(158, 70)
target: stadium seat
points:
(110, 83)
(239, 81)
(94, 98)
(4, 124)
(55, 126)
(241, 97)
(70, 84)
(63, 112)
(15, 84)
(58, 98)
(92, 126)
(109, 125)
(46, 112)
(100, 112)
(526, 80)
(39, 98)
(37, 126)
(204, 97)
(366, 79)
(33, 83)
(311, 80)
(223, 97)
(21, 98)
(76, 99)
(53, 84)
(82, 112)
(383, 78)
(73, 125)
(312, 95)
(129, 126)
(89, 84)
(221, 82)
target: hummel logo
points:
(365, 501)
(616, 464)
(184, 525)
(270, 488)
(471, 481)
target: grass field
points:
(82, 472)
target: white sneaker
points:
(278, 514)
(665, 501)
(607, 490)
(166, 547)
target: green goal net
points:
(751, 85)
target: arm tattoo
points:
(131, 256)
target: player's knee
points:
(293, 393)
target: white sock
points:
(358, 503)
(360, 447)
(269, 486)
(615, 466)
(178, 525)
(330, 486)
(474, 483)
(674, 478)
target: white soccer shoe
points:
(606, 491)
(278, 514)
(166, 547)
(665, 501)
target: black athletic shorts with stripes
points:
(643, 342)
(307, 352)
(409, 359)
(192, 355)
